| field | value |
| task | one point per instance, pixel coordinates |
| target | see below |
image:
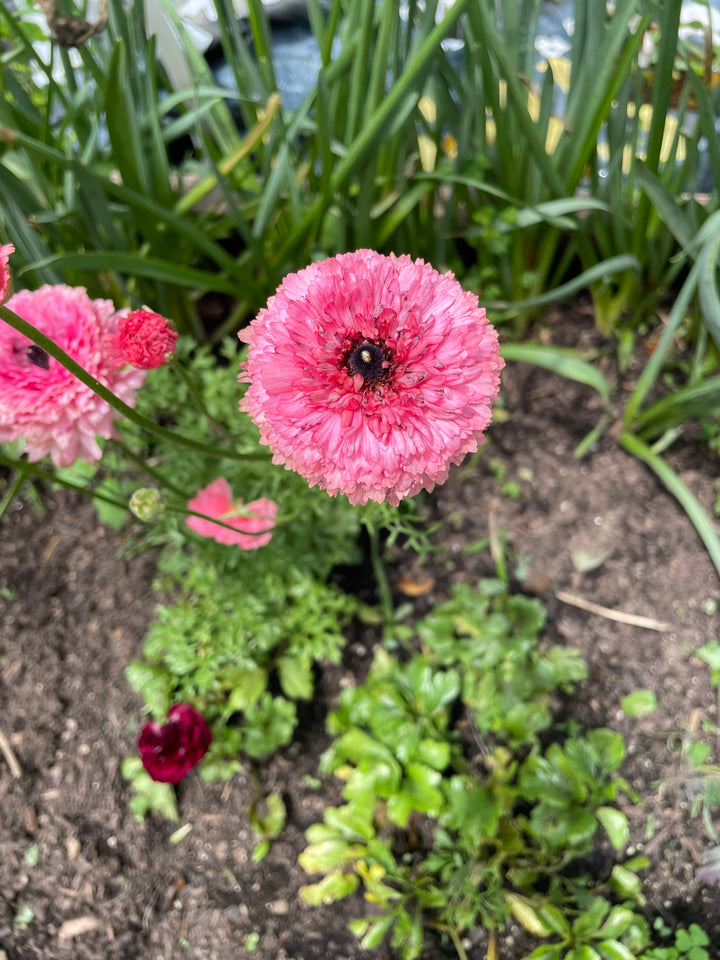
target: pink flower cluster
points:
(40, 400)
(252, 521)
(370, 375)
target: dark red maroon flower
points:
(170, 750)
(145, 339)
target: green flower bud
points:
(147, 504)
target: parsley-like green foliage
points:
(241, 631)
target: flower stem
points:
(386, 602)
(195, 394)
(28, 330)
(457, 942)
(147, 469)
(29, 469)
(12, 491)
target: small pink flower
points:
(42, 401)
(370, 375)
(5, 252)
(252, 520)
(145, 339)
(171, 750)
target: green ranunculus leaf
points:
(639, 703)
(616, 825)
(614, 950)
(324, 856)
(296, 678)
(334, 886)
(149, 795)
(627, 883)
(246, 691)
(618, 920)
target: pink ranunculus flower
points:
(42, 401)
(369, 375)
(169, 751)
(145, 339)
(5, 250)
(253, 521)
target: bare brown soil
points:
(81, 879)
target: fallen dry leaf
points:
(78, 926)
(415, 588)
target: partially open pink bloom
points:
(42, 401)
(369, 375)
(145, 339)
(5, 251)
(168, 751)
(251, 520)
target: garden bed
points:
(80, 878)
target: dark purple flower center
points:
(25, 353)
(37, 356)
(367, 359)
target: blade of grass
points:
(652, 369)
(600, 272)
(17, 482)
(134, 265)
(561, 360)
(687, 500)
(707, 287)
(696, 401)
(121, 117)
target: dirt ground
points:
(81, 879)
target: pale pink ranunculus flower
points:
(5, 250)
(370, 375)
(40, 400)
(253, 521)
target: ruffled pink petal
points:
(253, 521)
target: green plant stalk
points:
(455, 937)
(183, 511)
(687, 500)
(652, 368)
(179, 368)
(22, 466)
(12, 491)
(380, 574)
(32, 333)
(150, 471)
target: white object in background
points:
(168, 44)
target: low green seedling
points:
(452, 804)
(466, 805)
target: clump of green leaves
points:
(451, 802)
(492, 639)
(456, 813)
